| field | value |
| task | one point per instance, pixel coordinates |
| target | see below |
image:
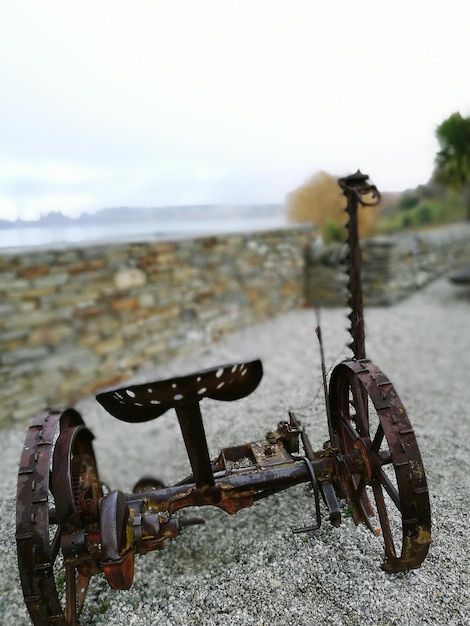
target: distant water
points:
(107, 233)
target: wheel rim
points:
(53, 592)
(379, 467)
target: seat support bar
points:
(192, 428)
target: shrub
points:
(406, 221)
(321, 201)
(424, 214)
(334, 231)
(408, 200)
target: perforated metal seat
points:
(140, 403)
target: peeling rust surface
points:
(397, 472)
(358, 191)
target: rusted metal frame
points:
(245, 484)
(308, 448)
(75, 441)
(230, 493)
(355, 301)
(36, 552)
(192, 429)
(356, 188)
(316, 497)
(140, 403)
(411, 497)
(103, 534)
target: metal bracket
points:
(316, 495)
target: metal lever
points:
(316, 496)
(331, 502)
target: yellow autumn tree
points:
(321, 201)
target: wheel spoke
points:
(384, 521)
(360, 486)
(365, 508)
(378, 438)
(55, 545)
(390, 489)
(71, 596)
(348, 426)
(82, 587)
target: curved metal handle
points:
(357, 185)
(360, 192)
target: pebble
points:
(249, 569)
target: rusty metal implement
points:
(69, 528)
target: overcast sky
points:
(167, 102)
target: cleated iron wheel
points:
(58, 494)
(378, 464)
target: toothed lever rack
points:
(69, 528)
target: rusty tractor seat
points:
(141, 403)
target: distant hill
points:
(389, 199)
(126, 215)
(129, 215)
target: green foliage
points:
(406, 222)
(445, 198)
(408, 200)
(60, 582)
(429, 191)
(334, 231)
(421, 215)
(453, 159)
(425, 213)
(423, 208)
(104, 607)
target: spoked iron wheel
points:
(58, 492)
(379, 467)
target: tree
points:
(453, 159)
(321, 201)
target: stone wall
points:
(79, 319)
(75, 320)
(393, 267)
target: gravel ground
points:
(249, 569)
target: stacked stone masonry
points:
(76, 320)
(80, 319)
(392, 267)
